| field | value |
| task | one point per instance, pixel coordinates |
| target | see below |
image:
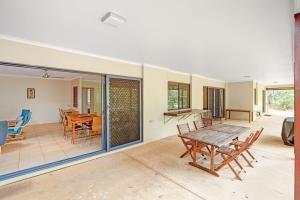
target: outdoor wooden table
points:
(79, 119)
(214, 136)
(250, 114)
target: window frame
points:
(179, 96)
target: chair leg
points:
(251, 155)
(249, 163)
(186, 152)
(232, 169)
(240, 166)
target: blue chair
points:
(15, 131)
(3, 132)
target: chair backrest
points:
(199, 124)
(3, 131)
(245, 145)
(75, 112)
(97, 124)
(26, 114)
(69, 122)
(183, 128)
(258, 134)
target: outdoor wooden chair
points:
(185, 128)
(237, 144)
(182, 129)
(199, 124)
(228, 154)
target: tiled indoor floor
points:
(43, 144)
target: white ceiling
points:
(220, 39)
(37, 73)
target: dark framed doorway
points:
(124, 111)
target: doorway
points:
(123, 112)
(214, 100)
(88, 102)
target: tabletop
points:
(216, 135)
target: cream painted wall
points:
(239, 95)
(17, 52)
(49, 96)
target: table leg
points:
(194, 151)
(229, 114)
(212, 160)
(73, 133)
(210, 170)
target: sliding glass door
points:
(214, 100)
(123, 112)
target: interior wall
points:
(49, 96)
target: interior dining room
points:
(52, 115)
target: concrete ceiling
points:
(220, 39)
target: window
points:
(178, 96)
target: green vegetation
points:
(281, 99)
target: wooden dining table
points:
(214, 137)
(79, 119)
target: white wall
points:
(49, 96)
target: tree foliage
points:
(281, 99)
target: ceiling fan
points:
(46, 75)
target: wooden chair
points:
(182, 129)
(61, 114)
(228, 154)
(97, 125)
(69, 127)
(199, 124)
(237, 144)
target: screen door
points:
(124, 112)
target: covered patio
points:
(154, 171)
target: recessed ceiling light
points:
(275, 82)
(247, 76)
(113, 19)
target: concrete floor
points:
(154, 171)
